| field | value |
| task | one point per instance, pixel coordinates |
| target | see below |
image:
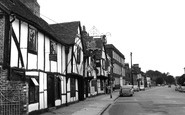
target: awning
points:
(35, 81)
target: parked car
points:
(136, 88)
(142, 87)
(126, 90)
(177, 87)
(182, 89)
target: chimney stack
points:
(33, 6)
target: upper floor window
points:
(78, 54)
(32, 40)
(53, 51)
(53, 47)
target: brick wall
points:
(2, 31)
(12, 90)
(19, 89)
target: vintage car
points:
(142, 87)
(126, 90)
(177, 87)
(136, 88)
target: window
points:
(32, 40)
(103, 64)
(33, 90)
(53, 47)
(58, 88)
(101, 84)
(53, 51)
(94, 84)
(73, 87)
(78, 54)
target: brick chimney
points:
(33, 6)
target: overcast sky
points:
(153, 30)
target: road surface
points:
(155, 101)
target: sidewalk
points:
(91, 106)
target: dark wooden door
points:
(51, 90)
(81, 89)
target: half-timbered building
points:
(70, 32)
(95, 58)
(118, 63)
(32, 59)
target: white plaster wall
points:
(121, 81)
(24, 41)
(14, 51)
(63, 60)
(53, 66)
(59, 58)
(41, 100)
(69, 60)
(45, 99)
(32, 61)
(47, 52)
(76, 90)
(41, 82)
(41, 90)
(40, 51)
(33, 107)
(57, 102)
(74, 59)
(32, 73)
(68, 91)
(63, 84)
(78, 68)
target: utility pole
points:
(132, 81)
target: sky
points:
(153, 30)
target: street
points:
(155, 101)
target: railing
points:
(10, 102)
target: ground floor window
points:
(94, 83)
(73, 87)
(33, 89)
(101, 84)
(58, 88)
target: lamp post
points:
(132, 82)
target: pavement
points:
(90, 106)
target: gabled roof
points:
(112, 47)
(18, 9)
(67, 31)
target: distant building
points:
(118, 62)
(127, 74)
(95, 58)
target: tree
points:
(170, 79)
(181, 80)
(159, 80)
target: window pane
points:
(73, 87)
(32, 40)
(36, 94)
(31, 94)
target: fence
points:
(10, 102)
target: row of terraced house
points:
(51, 65)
